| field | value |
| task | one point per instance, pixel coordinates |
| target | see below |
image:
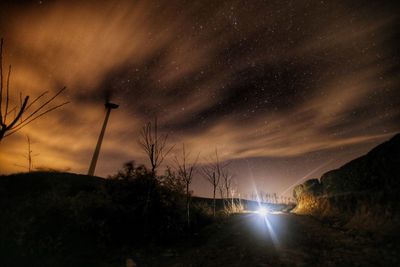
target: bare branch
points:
(11, 110)
(21, 111)
(7, 94)
(154, 145)
(20, 103)
(21, 125)
(44, 104)
(213, 172)
(36, 99)
(184, 167)
(19, 121)
(1, 81)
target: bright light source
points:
(262, 211)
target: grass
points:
(64, 219)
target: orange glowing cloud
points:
(261, 81)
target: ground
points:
(277, 240)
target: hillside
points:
(362, 193)
(65, 219)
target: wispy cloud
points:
(255, 80)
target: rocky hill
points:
(362, 193)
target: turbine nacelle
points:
(110, 105)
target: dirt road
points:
(282, 240)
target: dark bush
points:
(53, 217)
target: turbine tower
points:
(109, 106)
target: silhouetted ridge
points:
(366, 186)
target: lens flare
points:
(262, 211)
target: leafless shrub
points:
(154, 145)
(212, 172)
(185, 168)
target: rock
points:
(312, 187)
(377, 170)
(363, 191)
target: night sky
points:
(285, 90)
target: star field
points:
(284, 87)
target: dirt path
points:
(281, 240)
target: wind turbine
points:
(109, 106)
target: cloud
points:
(255, 80)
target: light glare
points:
(262, 211)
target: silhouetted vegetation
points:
(154, 145)
(362, 193)
(59, 218)
(29, 156)
(185, 169)
(212, 173)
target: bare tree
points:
(154, 145)
(29, 156)
(221, 193)
(12, 118)
(185, 170)
(212, 172)
(227, 179)
(232, 192)
(210, 176)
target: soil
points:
(280, 239)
